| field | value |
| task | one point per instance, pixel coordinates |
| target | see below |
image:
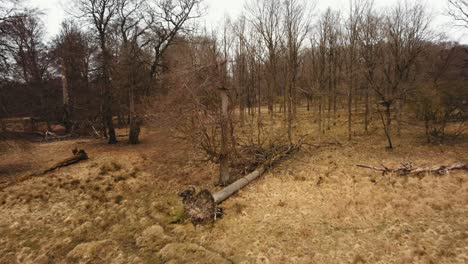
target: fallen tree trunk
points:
(407, 169)
(78, 155)
(201, 206)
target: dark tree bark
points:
(224, 175)
(367, 110)
(101, 13)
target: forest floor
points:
(122, 205)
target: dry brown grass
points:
(316, 207)
(352, 214)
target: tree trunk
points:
(135, 122)
(334, 108)
(66, 102)
(399, 107)
(285, 99)
(108, 116)
(366, 114)
(259, 117)
(107, 100)
(78, 155)
(290, 113)
(224, 176)
(356, 100)
(3, 125)
(227, 192)
(329, 93)
(389, 127)
(426, 127)
(201, 206)
(387, 123)
(134, 133)
(350, 114)
(241, 109)
(320, 116)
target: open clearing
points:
(121, 206)
(338, 131)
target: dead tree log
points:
(78, 155)
(408, 168)
(201, 206)
(52, 137)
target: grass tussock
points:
(112, 166)
(316, 207)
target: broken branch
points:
(407, 168)
(78, 155)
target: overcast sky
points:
(218, 9)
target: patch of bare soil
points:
(121, 206)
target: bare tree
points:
(326, 63)
(170, 18)
(7, 13)
(26, 44)
(439, 99)
(224, 175)
(202, 92)
(352, 49)
(133, 23)
(394, 54)
(72, 52)
(240, 70)
(29, 56)
(333, 54)
(458, 10)
(296, 26)
(320, 65)
(265, 18)
(100, 14)
(148, 25)
(371, 41)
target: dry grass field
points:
(121, 206)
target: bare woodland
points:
(180, 133)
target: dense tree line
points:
(389, 66)
(136, 59)
(106, 66)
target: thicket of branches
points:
(103, 68)
(365, 64)
(236, 92)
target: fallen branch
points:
(95, 132)
(78, 155)
(201, 206)
(49, 137)
(407, 169)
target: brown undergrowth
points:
(121, 206)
